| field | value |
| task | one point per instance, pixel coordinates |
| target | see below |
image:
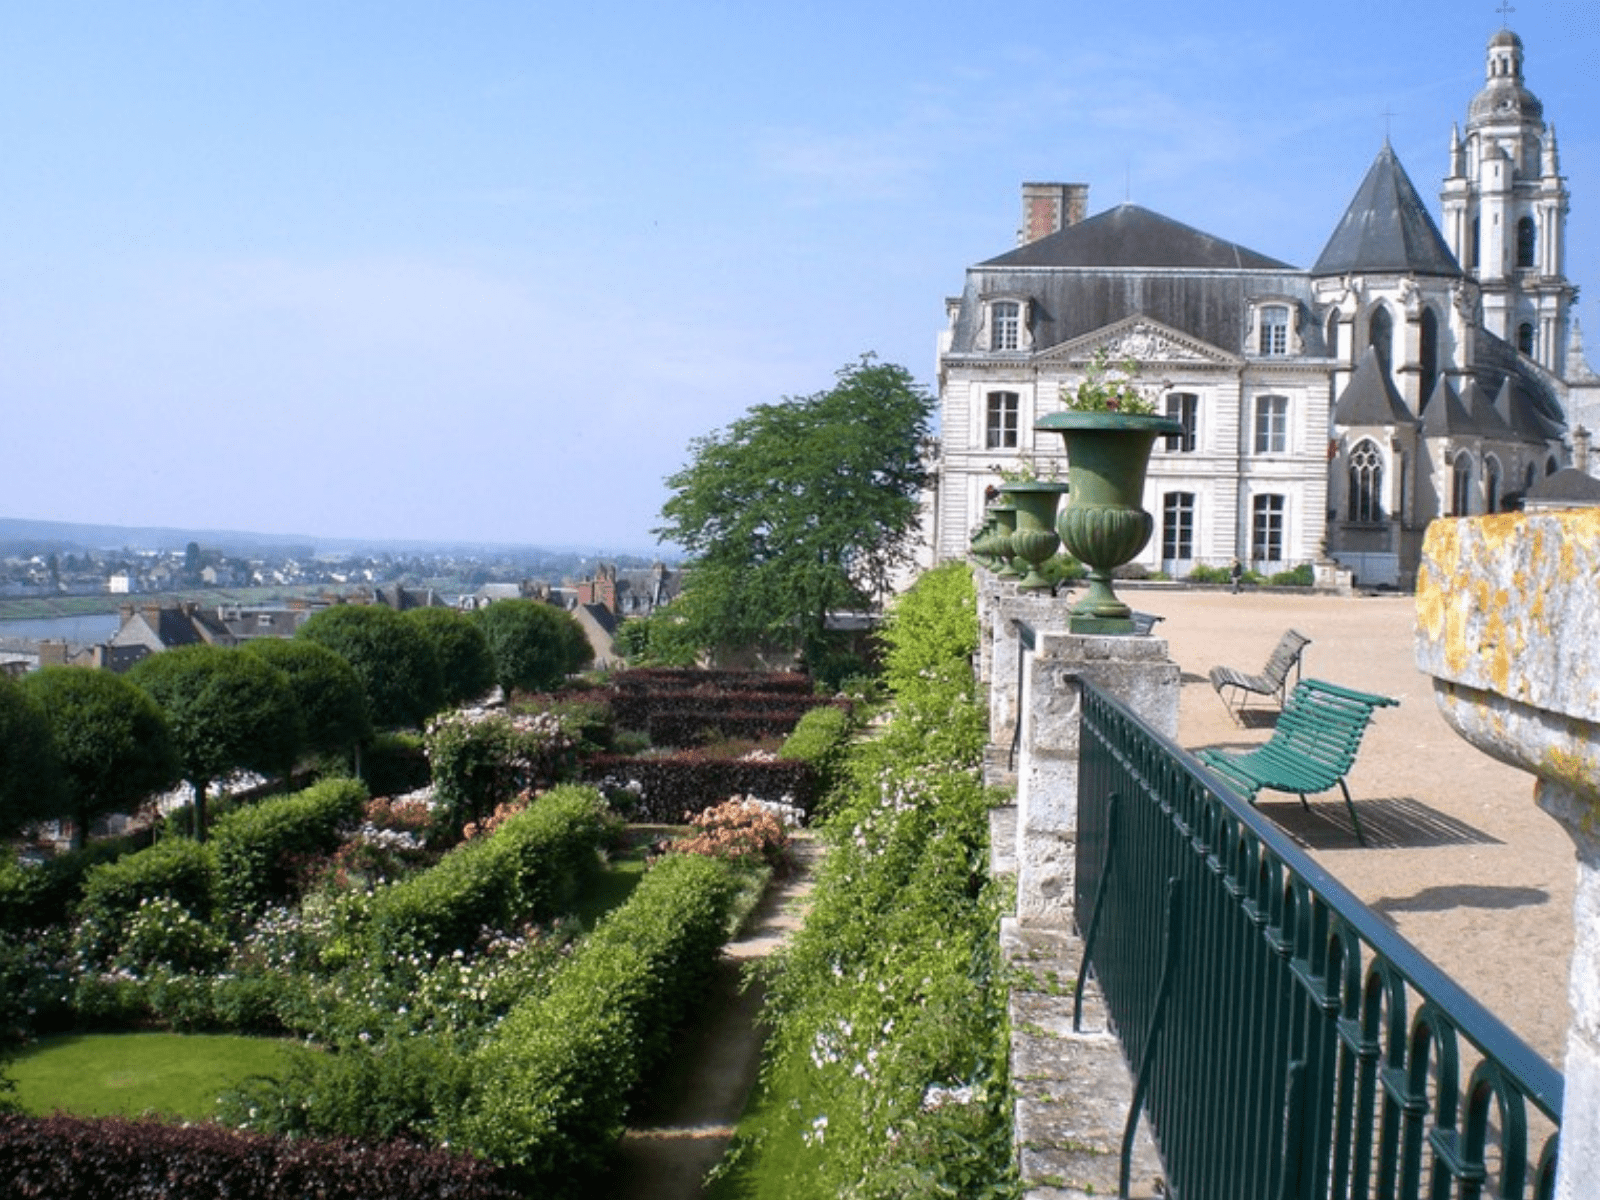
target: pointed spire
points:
(1578, 369)
(1386, 229)
(1458, 152)
(1549, 156)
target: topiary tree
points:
(227, 710)
(111, 739)
(30, 772)
(393, 658)
(327, 693)
(535, 645)
(465, 662)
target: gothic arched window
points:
(1525, 337)
(1491, 484)
(1429, 353)
(1461, 486)
(1380, 334)
(1366, 482)
(1526, 241)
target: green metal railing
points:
(1285, 1042)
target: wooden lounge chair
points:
(1313, 747)
(1273, 680)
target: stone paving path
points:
(689, 1119)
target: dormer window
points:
(1006, 325)
(1274, 331)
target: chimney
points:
(1580, 449)
(1050, 207)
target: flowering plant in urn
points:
(1109, 426)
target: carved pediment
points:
(1147, 341)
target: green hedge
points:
(175, 869)
(885, 1066)
(34, 897)
(821, 739)
(556, 1077)
(526, 870)
(259, 848)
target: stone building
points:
(1409, 373)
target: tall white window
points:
(1266, 529)
(1000, 423)
(1272, 424)
(1005, 325)
(1177, 527)
(1366, 483)
(1274, 333)
(1185, 407)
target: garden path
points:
(685, 1126)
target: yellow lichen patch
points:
(1499, 529)
(1576, 770)
(1442, 546)
(1431, 599)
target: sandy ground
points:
(1459, 860)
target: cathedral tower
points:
(1505, 210)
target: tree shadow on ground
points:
(1462, 895)
(1389, 823)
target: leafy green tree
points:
(393, 658)
(30, 771)
(799, 508)
(110, 738)
(227, 710)
(535, 645)
(327, 693)
(465, 662)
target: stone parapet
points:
(1138, 672)
(1508, 626)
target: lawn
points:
(127, 1074)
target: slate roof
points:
(1370, 397)
(1131, 236)
(1516, 409)
(1445, 415)
(1486, 419)
(1567, 486)
(1386, 229)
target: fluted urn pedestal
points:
(1104, 524)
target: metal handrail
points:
(1308, 1050)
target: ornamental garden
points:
(469, 974)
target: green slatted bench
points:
(1273, 680)
(1313, 747)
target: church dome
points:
(1504, 98)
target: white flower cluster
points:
(938, 1096)
(785, 809)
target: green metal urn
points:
(1035, 539)
(1005, 521)
(1104, 524)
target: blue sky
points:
(480, 271)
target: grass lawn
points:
(126, 1074)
